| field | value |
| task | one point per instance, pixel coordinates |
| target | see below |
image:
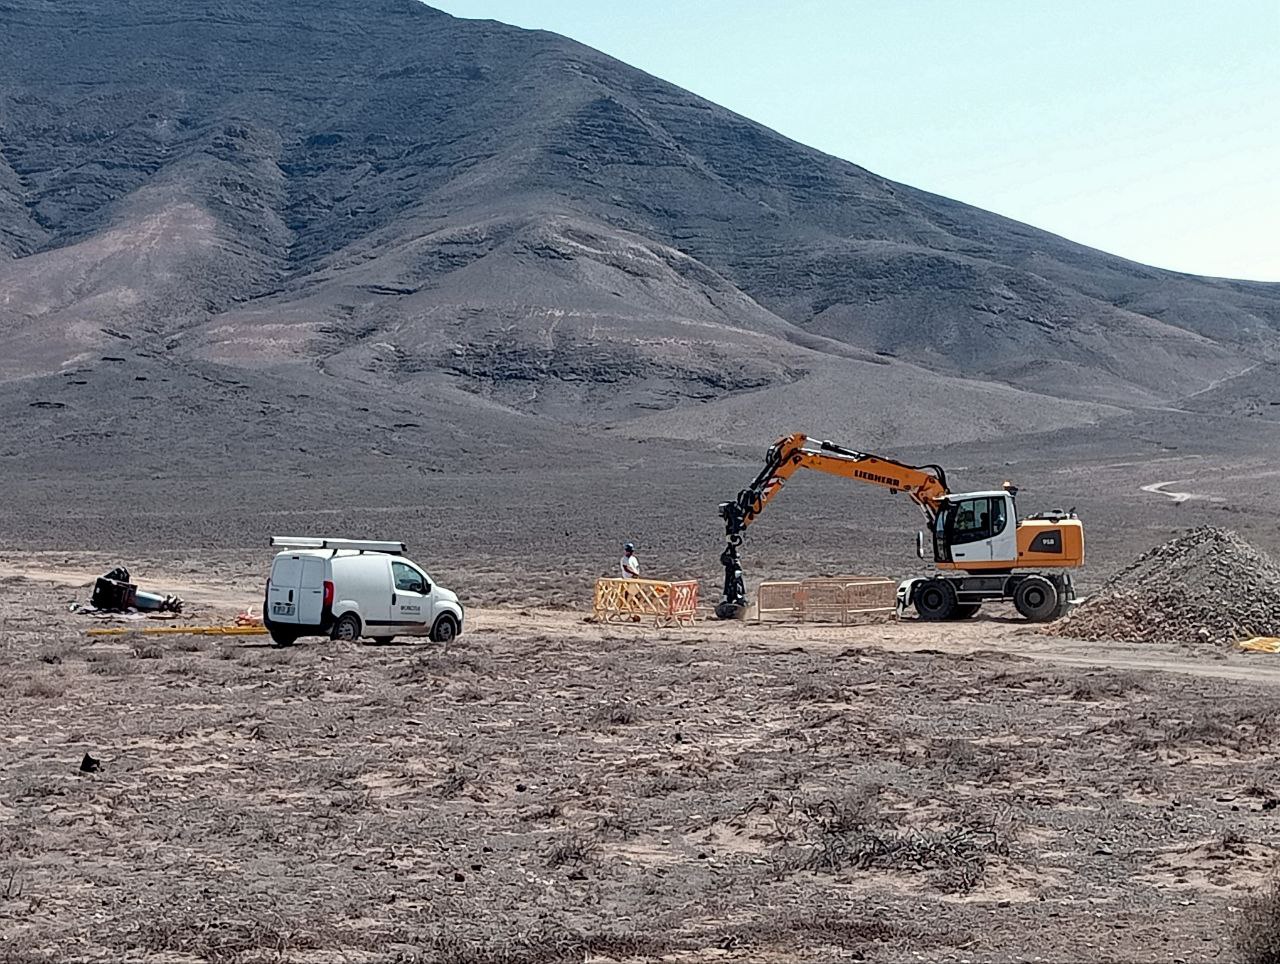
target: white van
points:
(348, 589)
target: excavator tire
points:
(1037, 599)
(965, 610)
(935, 600)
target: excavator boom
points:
(925, 484)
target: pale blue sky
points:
(1147, 128)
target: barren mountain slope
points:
(504, 223)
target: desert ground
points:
(548, 789)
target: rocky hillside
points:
(235, 213)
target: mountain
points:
(267, 226)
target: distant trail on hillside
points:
(1158, 488)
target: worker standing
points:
(630, 565)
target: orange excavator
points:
(982, 550)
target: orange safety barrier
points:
(667, 602)
(839, 598)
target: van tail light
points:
(328, 594)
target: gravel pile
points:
(1207, 586)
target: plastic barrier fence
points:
(838, 598)
(667, 602)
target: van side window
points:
(407, 578)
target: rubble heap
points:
(1207, 586)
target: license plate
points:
(282, 609)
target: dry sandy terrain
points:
(552, 790)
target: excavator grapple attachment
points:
(733, 600)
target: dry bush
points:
(1092, 686)
(444, 665)
(13, 954)
(855, 807)
(955, 858)
(451, 786)
(542, 946)
(816, 689)
(1243, 727)
(107, 662)
(1096, 687)
(955, 757)
(572, 848)
(55, 653)
(44, 687)
(1257, 929)
(465, 691)
(621, 822)
(804, 929)
(249, 935)
(616, 714)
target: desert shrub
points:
(572, 848)
(44, 687)
(55, 653)
(541, 946)
(1257, 928)
(106, 662)
(855, 807)
(804, 928)
(816, 689)
(616, 714)
(1096, 687)
(465, 691)
(955, 858)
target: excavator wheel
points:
(935, 600)
(1037, 599)
(965, 610)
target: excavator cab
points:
(976, 530)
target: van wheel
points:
(281, 638)
(445, 630)
(347, 628)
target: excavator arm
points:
(926, 485)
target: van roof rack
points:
(359, 545)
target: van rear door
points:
(311, 591)
(286, 584)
